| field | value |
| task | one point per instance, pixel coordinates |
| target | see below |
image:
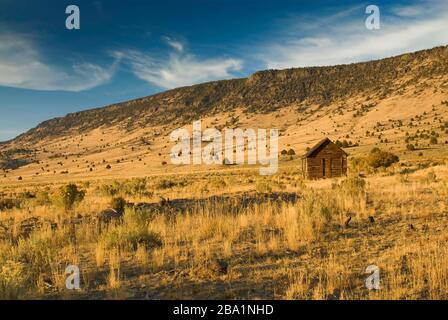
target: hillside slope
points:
(263, 92)
(389, 97)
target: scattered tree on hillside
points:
(378, 158)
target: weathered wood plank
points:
(329, 155)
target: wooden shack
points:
(324, 160)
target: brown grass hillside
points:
(374, 103)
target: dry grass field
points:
(232, 235)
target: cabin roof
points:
(320, 144)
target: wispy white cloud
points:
(22, 66)
(408, 11)
(175, 44)
(179, 69)
(302, 41)
(345, 39)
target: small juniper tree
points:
(68, 196)
(378, 158)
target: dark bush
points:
(7, 204)
(68, 196)
(118, 204)
(378, 158)
(166, 184)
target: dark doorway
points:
(323, 167)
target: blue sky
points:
(130, 49)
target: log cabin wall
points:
(326, 162)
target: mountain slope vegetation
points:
(263, 92)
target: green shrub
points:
(130, 187)
(126, 238)
(13, 280)
(140, 217)
(358, 164)
(110, 189)
(431, 177)
(342, 144)
(217, 183)
(378, 158)
(138, 186)
(68, 196)
(42, 198)
(263, 186)
(39, 253)
(166, 184)
(353, 185)
(7, 204)
(315, 212)
(118, 204)
(403, 177)
(27, 195)
(133, 232)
